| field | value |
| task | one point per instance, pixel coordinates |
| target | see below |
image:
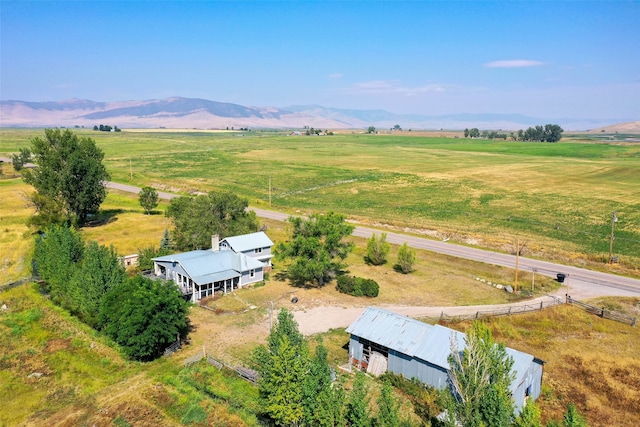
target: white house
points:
(200, 273)
(254, 245)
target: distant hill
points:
(178, 112)
(627, 127)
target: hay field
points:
(558, 198)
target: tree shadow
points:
(398, 269)
(103, 217)
(368, 261)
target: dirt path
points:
(323, 318)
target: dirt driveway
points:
(322, 318)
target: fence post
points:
(541, 305)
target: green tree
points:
(388, 407)
(144, 316)
(357, 411)
(99, 271)
(573, 418)
(148, 198)
(406, 259)
(146, 254)
(466, 132)
(530, 416)
(57, 252)
(377, 249)
(322, 403)
(552, 133)
(371, 129)
(316, 247)
(197, 218)
(165, 242)
(21, 159)
(480, 376)
(70, 177)
(283, 365)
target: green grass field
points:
(558, 198)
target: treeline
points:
(143, 316)
(107, 128)
(546, 133)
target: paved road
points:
(580, 282)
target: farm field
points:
(86, 381)
(557, 199)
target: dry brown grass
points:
(15, 236)
(590, 361)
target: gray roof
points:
(246, 242)
(431, 343)
(207, 266)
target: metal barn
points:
(382, 340)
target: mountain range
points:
(178, 112)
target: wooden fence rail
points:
(16, 283)
(507, 311)
(603, 312)
(244, 373)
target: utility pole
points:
(130, 171)
(269, 191)
(533, 278)
(614, 219)
(517, 256)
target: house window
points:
(258, 250)
(252, 273)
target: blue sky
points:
(545, 59)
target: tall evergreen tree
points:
(322, 404)
(357, 411)
(388, 407)
(283, 365)
(58, 251)
(98, 272)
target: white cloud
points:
(393, 86)
(335, 76)
(513, 63)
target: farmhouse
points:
(385, 341)
(200, 273)
(255, 245)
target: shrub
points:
(357, 286)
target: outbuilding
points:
(385, 341)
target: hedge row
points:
(357, 286)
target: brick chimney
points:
(215, 243)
